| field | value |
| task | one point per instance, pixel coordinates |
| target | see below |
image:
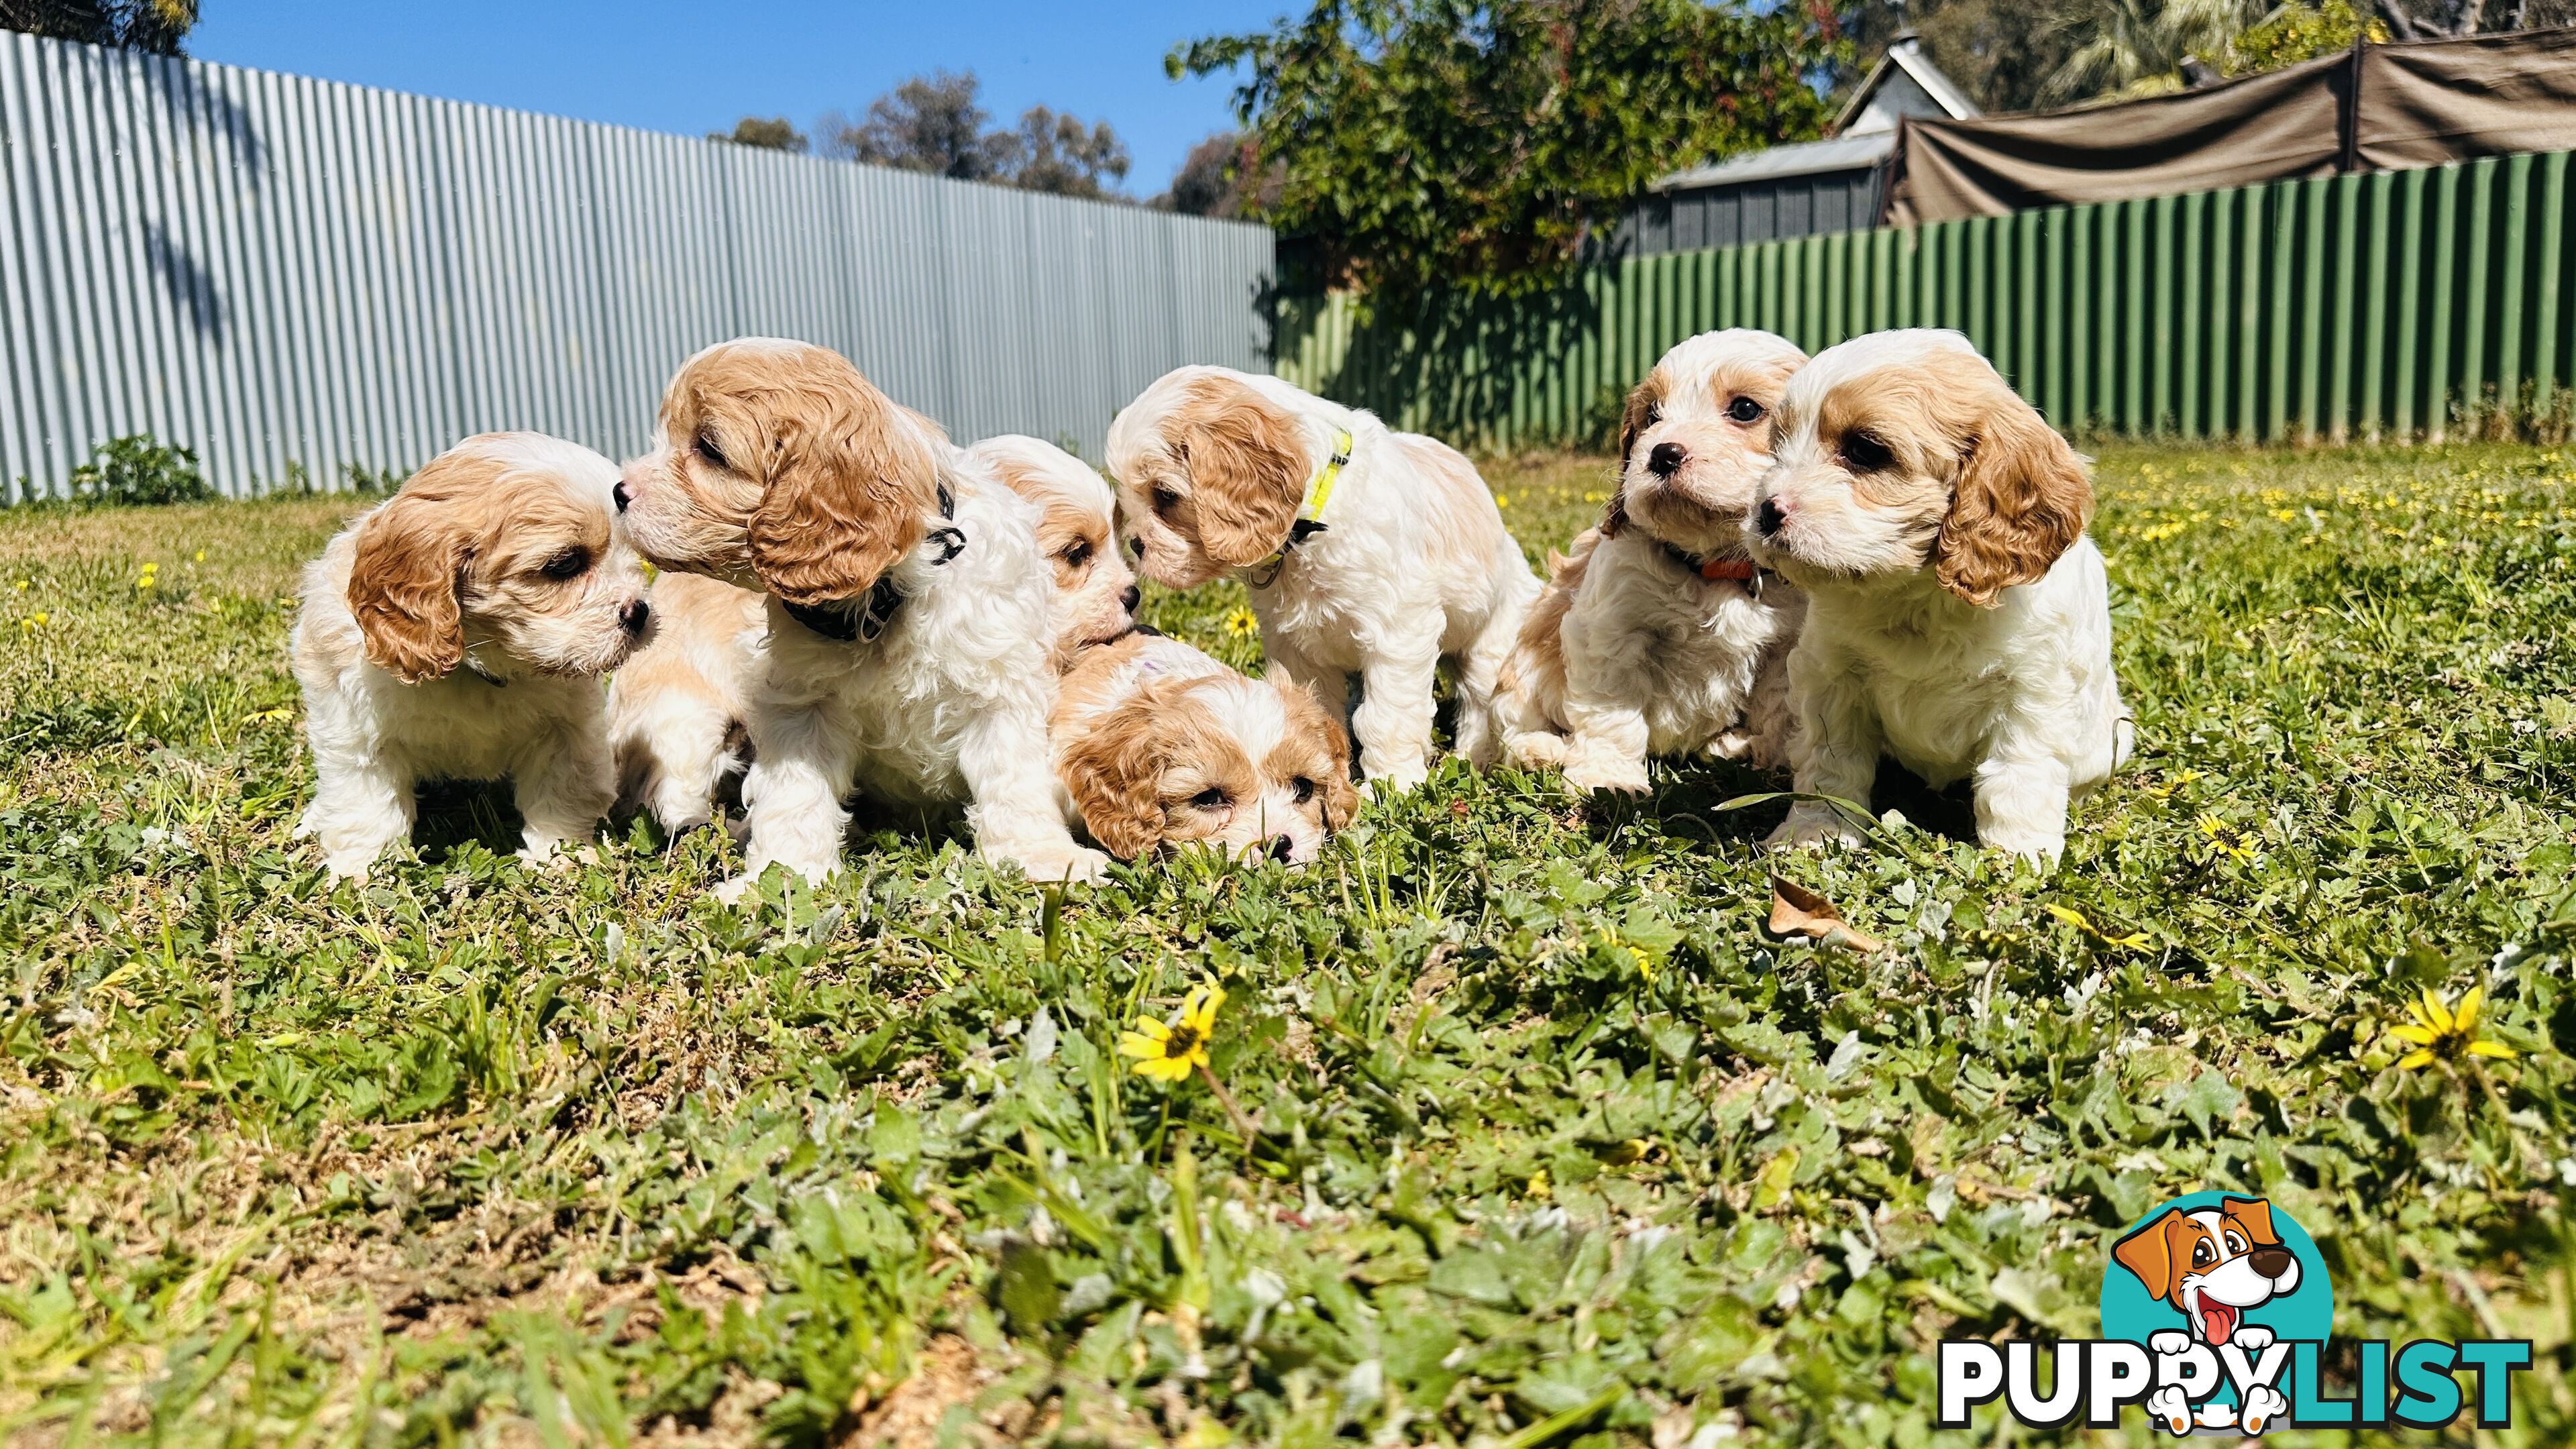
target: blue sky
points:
(694, 68)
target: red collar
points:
(1714, 568)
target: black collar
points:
(843, 624)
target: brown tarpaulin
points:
(2378, 107)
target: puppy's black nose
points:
(1665, 460)
(1768, 518)
(635, 616)
(2271, 1262)
(621, 495)
(1280, 846)
(1130, 599)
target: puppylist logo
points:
(2215, 1315)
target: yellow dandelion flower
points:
(2225, 840)
(201, 555)
(1502, 500)
(1539, 1189)
(2445, 1033)
(1170, 1051)
(1242, 623)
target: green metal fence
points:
(2393, 304)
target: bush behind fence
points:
(2387, 305)
(296, 278)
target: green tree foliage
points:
(2297, 32)
(1425, 143)
(766, 135)
(937, 124)
(1220, 177)
(153, 25)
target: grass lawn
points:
(1556, 1146)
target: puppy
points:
(676, 711)
(457, 631)
(1157, 744)
(908, 627)
(1657, 635)
(1365, 551)
(1095, 591)
(1957, 618)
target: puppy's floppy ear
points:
(847, 484)
(404, 582)
(1247, 470)
(1112, 773)
(1639, 415)
(2148, 1253)
(2254, 1215)
(2023, 499)
(1306, 711)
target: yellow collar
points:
(1310, 512)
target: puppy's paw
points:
(350, 866)
(1537, 750)
(2263, 1404)
(732, 891)
(2169, 1342)
(1054, 865)
(2253, 1338)
(1733, 745)
(557, 857)
(1811, 825)
(1401, 779)
(1602, 770)
(2172, 1406)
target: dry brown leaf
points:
(1798, 911)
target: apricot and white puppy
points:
(1095, 591)
(1157, 744)
(677, 710)
(908, 611)
(1380, 566)
(1656, 634)
(458, 631)
(1958, 618)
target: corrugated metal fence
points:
(2401, 304)
(289, 274)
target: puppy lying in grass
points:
(1657, 635)
(1157, 744)
(458, 631)
(1958, 618)
(1365, 551)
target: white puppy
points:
(1657, 635)
(1158, 744)
(1958, 618)
(1095, 591)
(1366, 551)
(458, 631)
(908, 612)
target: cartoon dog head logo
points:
(2212, 1263)
(2217, 1287)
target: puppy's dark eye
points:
(572, 563)
(1076, 554)
(2200, 1254)
(1165, 500)
(1863, 453)
(1745, 409)
(707, 449)
(1654, 414)
(1211, 799)
(1301, 789)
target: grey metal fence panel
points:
(294, 276)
